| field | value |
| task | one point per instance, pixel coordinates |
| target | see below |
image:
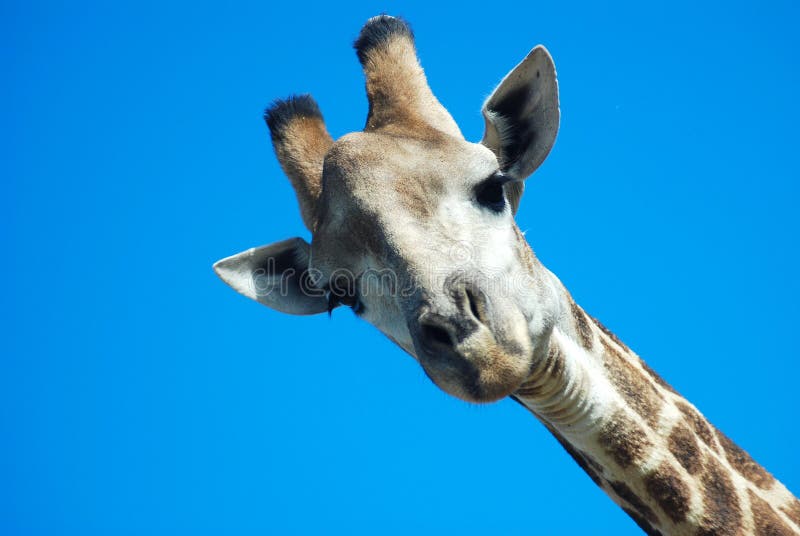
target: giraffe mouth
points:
(473, 345)
(469, 360)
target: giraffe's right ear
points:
(276, 276)
(522, 116)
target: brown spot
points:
(683, 446)
(626, 494)
(669, 491)
(699, 424)
(722, 511)
(652, 373)
(742, 462)
(624, 441)
(642, 522)
(609, 334)
(792, 511)
(582, 325)
(766, 520)
(638, 393)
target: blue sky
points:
(140, 395)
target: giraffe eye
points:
(490, 194)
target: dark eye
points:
(491, 195)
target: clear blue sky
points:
(140, 395)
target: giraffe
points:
(413, 228)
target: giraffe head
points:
(412, 226)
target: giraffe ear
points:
(276, 276)
(522, 116)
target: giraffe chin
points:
(480, 369)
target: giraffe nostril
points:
(476, 302)
(473, 304)
(436, 335)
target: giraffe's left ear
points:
(522, 115)
(277, 276)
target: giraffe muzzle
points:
(462, 353)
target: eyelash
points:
(344, 294)
(335, 301)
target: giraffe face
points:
(417, 236)
(413, 227)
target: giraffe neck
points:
(647, 447)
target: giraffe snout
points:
(450, 324)
(460, 351)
